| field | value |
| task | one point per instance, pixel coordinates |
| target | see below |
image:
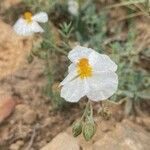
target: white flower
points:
(73, 7)
(91, 74)
(28, 24)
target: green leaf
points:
(77, 128)
(89, 130)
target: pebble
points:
(29, 117)
(7, 106)
(62, 141)
(49, 121)
(17, 145)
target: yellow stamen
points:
(28, 17)
(83, 68)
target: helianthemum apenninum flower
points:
(73, 7)
(91, 74)
(28, 23)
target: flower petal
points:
(72, 67)
(72, 75)
(74, 90)
(73, 7)
(101, 62)
(40, 17)
(35, 27)
(22, 28)
(79, 52)
(102, 86)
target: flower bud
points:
(77, 128)
(89, 130)
(73, 7)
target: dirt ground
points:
(33, 116)
(34, 122)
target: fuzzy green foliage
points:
(133, 80)
(77, 128)
(89, 28)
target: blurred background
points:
(32, 113)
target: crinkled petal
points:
(74, 90)
(22, 28)
(102, 86)
(101, 62)
(72, 67)
(72, 75)
(73, 7)
(40, 17)
(79, 52)
(35, 27)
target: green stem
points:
(85, 110)
(91, 114)
(91, 110)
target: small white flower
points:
(73, 7)
(28, 24)
(91, 74)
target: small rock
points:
(7, 105)
(20, 110)
(139, 120)
(29, 117)
(49, 121)
(14, 147)
(20, 143)
(127, 136)
(25, 113)
(17, 145)
(62, 141)
(106, 126)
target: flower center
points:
(28, 17)
(83, 68)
